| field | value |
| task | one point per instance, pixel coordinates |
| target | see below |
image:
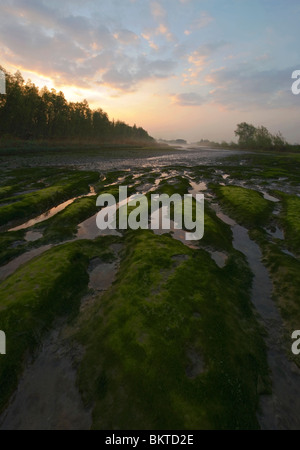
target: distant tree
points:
(279, 142)
(263, 139)
(101, 124)
(246, 134)
(259, 138)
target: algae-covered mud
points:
(123, 329)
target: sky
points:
(181, 69)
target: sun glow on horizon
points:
(177, 72)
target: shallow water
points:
(33, 236)
(197, 187)
(188, 157)
(47, 397)
(13, 265)
(270, 197)
(89, 230)
(52, 212)
(220, 258)
(277, 233)
(102, 276)
(281, 410)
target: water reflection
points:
(281, 410)
(52, 212)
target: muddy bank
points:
(47, 397)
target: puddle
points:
(220, 258)
(270, 197)
(89, 230)
(225, 218)
(179, 235)
(52, 212)
(277, 233)
(146, 187)
(225, 176)
(187, 175)
(47, 397)
(197, 187)
(281, 410)
(287, 252)
(32, 236)
(137, 175)
(102, 275)
(118, 182)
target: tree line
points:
(254, 138)
(251, 137)
(27, 112)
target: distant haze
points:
(186, 69)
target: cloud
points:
(246, 87)
(203, 21)
(163, 30)
(150, 41)
(188, 99)
(126, 37)
(73, 48)
(128, 74)
(200, 59)
(158, 12)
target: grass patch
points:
(64, 225)
(139, 337)
(12, 244)
(290, 220)
(176, 185)
(217, 234)
(247, 207)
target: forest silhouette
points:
(30, 113)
